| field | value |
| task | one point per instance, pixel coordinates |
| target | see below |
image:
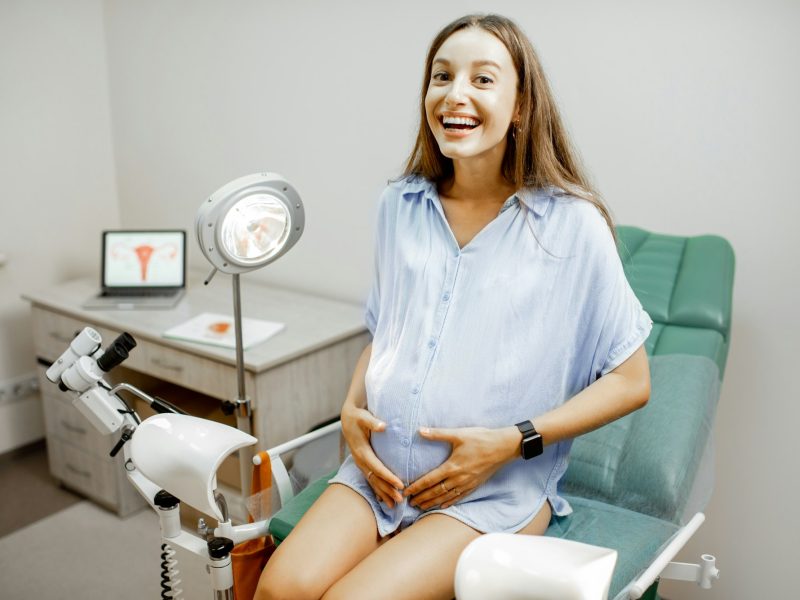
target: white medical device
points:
(171, 457)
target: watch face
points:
(532, 446)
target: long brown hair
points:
(538, 152)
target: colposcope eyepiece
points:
(116, 352)
(112, 356)
(127, 341)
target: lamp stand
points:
(242, 402)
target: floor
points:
(26, 482)
(56, 545)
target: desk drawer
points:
(53, 332)
(186, 370)
(77, 469)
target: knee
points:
(286, 584)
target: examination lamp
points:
(245, 225)
(249, 222)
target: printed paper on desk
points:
(218, 330)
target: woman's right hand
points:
(357, 426)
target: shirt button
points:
(446, 297)
(415, 390)
(405, 442)
(431, 343)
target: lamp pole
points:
(243, 410)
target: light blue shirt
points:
(531, 311)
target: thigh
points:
(335, 534)
(419, 563)
(540, 522)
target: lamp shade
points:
(250, 222)
(181, 454)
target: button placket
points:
(451, 271)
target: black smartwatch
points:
(532, 444)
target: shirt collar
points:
(536, 199)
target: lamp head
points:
(250, 222)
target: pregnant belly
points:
(408, 457)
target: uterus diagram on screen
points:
(146, 259)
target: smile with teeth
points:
(460, 123)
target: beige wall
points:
(685, 113)
(56, 170)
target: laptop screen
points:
(144, 259)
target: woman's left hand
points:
(477, 454)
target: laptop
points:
(141, 270)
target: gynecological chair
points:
(638, 486)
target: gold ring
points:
(456, 491)
(368, 476)
(444, 489)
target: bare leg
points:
(540, 522)
(419, 563)
(334, 535)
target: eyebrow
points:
(475, 63)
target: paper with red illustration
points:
(218, 330)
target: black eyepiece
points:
(116, 352)
(126, 340)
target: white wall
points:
(685, 113)
(56, 169)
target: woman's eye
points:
(440, 76)
(484, 80)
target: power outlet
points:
(18, 388)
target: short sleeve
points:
(372, 310)
(623, 324)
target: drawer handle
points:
(73, 428)
(78, 471)
(59, 337)
(164, 365)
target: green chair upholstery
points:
(282, 522)
(686, 286)
(629, 482)
(635, 536)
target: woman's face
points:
(472, 95)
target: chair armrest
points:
(280, 474)
(646, 579)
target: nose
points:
(455, 93)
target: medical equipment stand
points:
(150, 466)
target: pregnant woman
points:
(503, 327)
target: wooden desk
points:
(295, 380)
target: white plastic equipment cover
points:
(181, 454)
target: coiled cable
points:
(170, 582)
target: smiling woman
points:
(503, 326)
